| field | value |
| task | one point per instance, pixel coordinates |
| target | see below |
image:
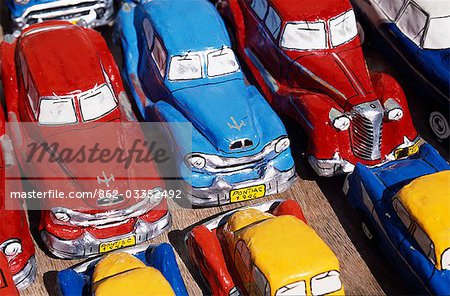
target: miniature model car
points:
(7, 286)
(184, 70)
(307, 59)
(89, 13)
(72, 96)
(15, 239)
(417, 32)
(151, 271)
(404, 208)
(267, 250)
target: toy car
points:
(7, 286)
(267, 249)
(74, 97)
(184, 70)
(15, 239)
(307, 59)
(89, 13)
(416, 32)
(403, 207)
(150, 271)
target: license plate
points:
(118, 244)
(247, 193)
(403, 152)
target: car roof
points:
(435, 8)
(199, 28)
(295, 10)
(427, 200)
(286, 250)
(60, 58)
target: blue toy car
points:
(78, 280)
(87, 12)
(418, 32)
(404, 206)
(180, 67)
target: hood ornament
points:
(235, 124)
(105, 179)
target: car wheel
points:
(361, 33)
(439, 125)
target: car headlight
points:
(62, 216)
(282, 145)
(12, 247)
(22, 2)
(339, 120)
(155, 195)
(196, 161)
(393, 110)
(445, 261)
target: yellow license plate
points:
(247, 193)
(118, 244)
(407, 151)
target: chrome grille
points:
(367, 130)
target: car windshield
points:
(304, 36)
(437, 37)
(343, 28)
(57, 111)
(298, 288)
(185, 67)
(222, 62)
(97, 102)
(326, 283)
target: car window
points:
(391, 7)
(261, 282)
(243, 253)
(33, 97)
(185, 67)
(436, 38)
(425, 243)
(221, 62)
(97, 103)
(304, 36)
(148, 31)
(412, 22)
(273, 22)
(57, 110)
(24, 70)
(260, 8)
(159, 56)
(402, 213)
(343, 28)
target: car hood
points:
(341, 74)
(222, 113)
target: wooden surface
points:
(364, 270)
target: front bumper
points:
(87, 245)
(218, 193)
(90, 13)
(27, 275)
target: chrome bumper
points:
(93, 13)
(27, 275)
(219, 193)
(87, 245)
(330, 167)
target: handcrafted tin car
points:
(267, 250)
(139, 271)
(89, 13)
(403, 207)
(15, 239)
(416, 31)
(307, 59)
(71, 96)
(184, 70)
(7, 286)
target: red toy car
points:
(62, 86)
(7, 287)
(306, 57)
(15, 239)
